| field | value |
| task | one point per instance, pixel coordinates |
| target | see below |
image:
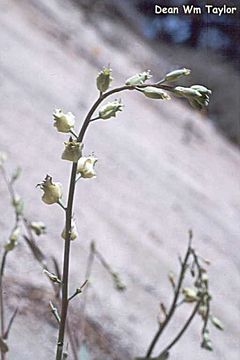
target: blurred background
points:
(163, 168)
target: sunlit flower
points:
(110, 109)
(52, 191)
(63, 122)
(176, 74)
(104, 79)
(72, 151)
(154, 93)
(86, 165)
(138, 78)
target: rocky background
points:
(162, 169)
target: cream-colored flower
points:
(52, 191)
(63, 122)
(110, 109)
(176, 74)
(104, 79)
(72, 151)
(74, 233)
(186, 92)
(86, 166)
(139, 78)
(154, 93)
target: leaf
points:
(3, 346)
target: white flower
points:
(63, 122)
(72, 151)
(86, 166)
(104, 79)
(154, 93)
(176, 74)
(52, 191)
(138, 78)
(110, 109)
(186, 92)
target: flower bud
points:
(154, 93)
(176, 74)
(13, 239)
(15, 234)
(72, 151)
(119, 285)
(202, 89)
(203, 311)
(38, 227)
(186, 92)
(110, 109)
(52, 276)
(18, 204)
(104, 79)
(203, 101)
(138, 78)
(86, 167)
(206, 342)
(74, 233)
(205, 277)
(3, 158)
(217, 323)
(190, 295)
(63, 122)
(52, 191)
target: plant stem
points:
(66, 260)
(65, 277)
(182, 331)
(73, 133)
(173, 306)
(2, 312)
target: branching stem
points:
(69, 211)
(173, 307)
(182, 331)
